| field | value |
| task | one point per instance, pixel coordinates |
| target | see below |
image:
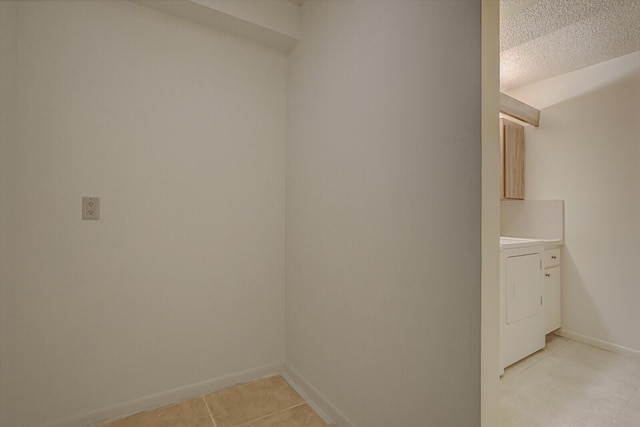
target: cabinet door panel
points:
(512, 150)
(552, 299)
(523, 287)
(502, 159)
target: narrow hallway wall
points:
(8, 96)
(383, 211)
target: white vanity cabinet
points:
(552, 289)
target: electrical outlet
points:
(91, 208)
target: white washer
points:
(521, 305)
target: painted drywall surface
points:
(490, 380)
(180, 131)
(587, 152)
(279, 15)
(274, 23)
(383, 210)
(7, 198)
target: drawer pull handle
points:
(553, 257)
(547, 275)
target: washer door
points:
(523, 287)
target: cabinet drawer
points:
(551, 257)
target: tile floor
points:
(269, 402)
(570, 384)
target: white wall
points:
(274, 23)
(180, 130)
(490, 334)
(383, 211)
(587, 152)
(8, 96)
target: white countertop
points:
(517, 242)
(552, 243)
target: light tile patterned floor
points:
(269, 402)
(570, 384)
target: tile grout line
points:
(209, 411)
(550, 353)
(304, 402)
(621, 411)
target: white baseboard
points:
(605, 345)
(175, 395)
(332, 415)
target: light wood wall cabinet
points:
(512, 153)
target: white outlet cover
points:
(91, 208)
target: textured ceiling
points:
(546, 38)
